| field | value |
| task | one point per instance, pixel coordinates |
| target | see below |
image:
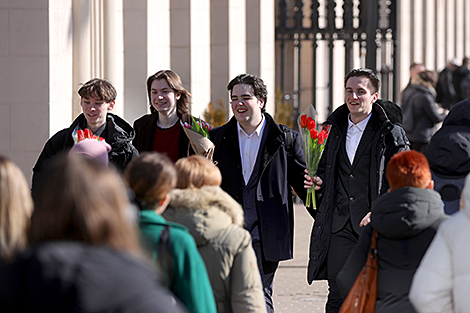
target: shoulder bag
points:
(363, 294)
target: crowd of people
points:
(125, 218)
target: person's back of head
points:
(16, 207)
(409, 169)
(151, 176)
(81, 200)
(94, 149)
(196, 171)
(427, 78)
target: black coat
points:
(273, 192)
(448, 152)
(389, 139)
(406, 220)
(118, 134)
(74, 277)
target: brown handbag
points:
(363, 294)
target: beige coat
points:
(215, 220)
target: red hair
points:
(408, 169)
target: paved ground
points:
(292, 293)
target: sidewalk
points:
(292, 293)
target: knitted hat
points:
(93, 148)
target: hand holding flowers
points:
(313, 143)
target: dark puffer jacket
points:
(449, 150)
(389, 139)
(406, 220)
(75, 277)
(118, 133)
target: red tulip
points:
(314, 134)
(303, 120)
(310, 123)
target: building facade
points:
(49, 47)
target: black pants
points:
(341, 245)
(267, 269)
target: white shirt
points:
(249, 147)
(354, 135)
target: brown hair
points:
(16, 207)
(85, 201)
(196, 171)
(151, 176)
(175, 83)
(259, 88)
(427, 78)
(408, 169)
(100, 88)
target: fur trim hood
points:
(205, 211)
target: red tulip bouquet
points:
(79, 135)
(314, 139)
(198, 133)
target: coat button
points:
(351, 176)
(351, 198)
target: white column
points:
(158, 36)
(228, 45)
(81, 49)
(237, 37)
(200, 76)
(180, 32)
(112, 48)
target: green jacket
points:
(190, 282)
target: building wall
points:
(49, 47)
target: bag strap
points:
(165, 255)
(288, 140)
(373, 244)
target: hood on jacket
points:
(406, 212)
(459, 115)
(449, 150)
(205, 211)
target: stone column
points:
(228, 45)
(81, 49)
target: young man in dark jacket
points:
(97, 98)
(365, 133)
(251, 153)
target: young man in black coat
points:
(364, 134)
(97, 99)
(251, 153)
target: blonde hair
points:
(16, 207)
(151, 176)
(196, 171)
(82, 200)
